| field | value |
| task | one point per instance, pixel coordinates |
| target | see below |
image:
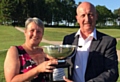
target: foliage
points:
(117, 12)
(103, 14)
(47, 10)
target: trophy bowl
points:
(59, 51)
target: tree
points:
(117, 15)
(69, 8)
(1, 12)
(61, 10)
(47, 10)
(117, 12)
(5, 11)
(103, 14)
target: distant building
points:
(109, 21)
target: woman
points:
(26, 63)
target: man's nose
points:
(86, 18)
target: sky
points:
(110, 4)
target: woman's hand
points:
(47, 66)
(66, 79)
(49, 57)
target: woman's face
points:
(33, 34)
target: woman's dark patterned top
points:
(27, 63)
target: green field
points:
(9, 36)
(59, 33)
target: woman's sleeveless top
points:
(26, 64)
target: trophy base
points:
(62, 69)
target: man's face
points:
(86, 17)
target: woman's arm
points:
(12, 67)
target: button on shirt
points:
(82, 56)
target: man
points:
(96, 60)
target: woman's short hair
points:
(36, 20)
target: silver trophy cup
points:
(62, 53)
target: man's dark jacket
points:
(102, 64)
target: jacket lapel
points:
(94, 45)
(75, 42)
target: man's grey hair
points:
(35, 20)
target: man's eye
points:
(82, 15)
(91, 15)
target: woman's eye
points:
(38, 32)
(32, 30)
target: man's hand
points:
(66, 79)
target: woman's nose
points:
(35, 33)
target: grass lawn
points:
(9, 36)
(2, 57)
(59, 33)
(118, 45)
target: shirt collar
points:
(93, 34)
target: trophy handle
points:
(73, 54)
